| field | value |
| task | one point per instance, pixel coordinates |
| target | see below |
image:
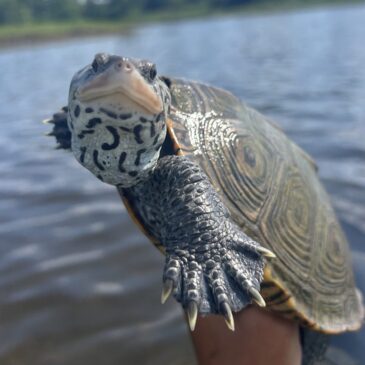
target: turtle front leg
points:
(211, 265)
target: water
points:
(78, 283)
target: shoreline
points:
(30, 34)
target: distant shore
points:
(22, 34)
(15, 35)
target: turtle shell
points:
(272, 190)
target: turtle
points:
(235, 206)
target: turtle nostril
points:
(128, 66)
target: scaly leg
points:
(211, 265)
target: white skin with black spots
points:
(116, 133)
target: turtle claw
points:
(250, 245)
(48, 121)
(265, 252)
(228, 316)
(256, 296)
(192, 312)
(167, 288)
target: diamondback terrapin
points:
(216, 187)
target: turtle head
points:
(117, 117)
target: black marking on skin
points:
(122, 158)
(83, 132)
(93, 122)
(125, 116)
(115, 144)
(109, 113)
(137, 130)
(96, 162)
(100, 177)
(125, 129)
(133, 173)
(77, 111)
(143, 120)
(155, 140)
(159, 117)
(152, 129)
(82, 156)
(89, 110)
(138, 158)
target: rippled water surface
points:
(78, 283)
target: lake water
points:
(78, 283)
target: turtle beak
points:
(122, 77)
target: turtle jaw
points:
(124, 79)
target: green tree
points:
(122, 8)
(95, 10)
(229, 3)
(42, 10)
(13, 11)
(63, 10)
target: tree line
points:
(27, 11)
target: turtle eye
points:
(94, 65)
(153, 72)
(100, 59)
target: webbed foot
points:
(218, 278)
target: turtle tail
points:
(60, 130)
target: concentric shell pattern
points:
(272, 190)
